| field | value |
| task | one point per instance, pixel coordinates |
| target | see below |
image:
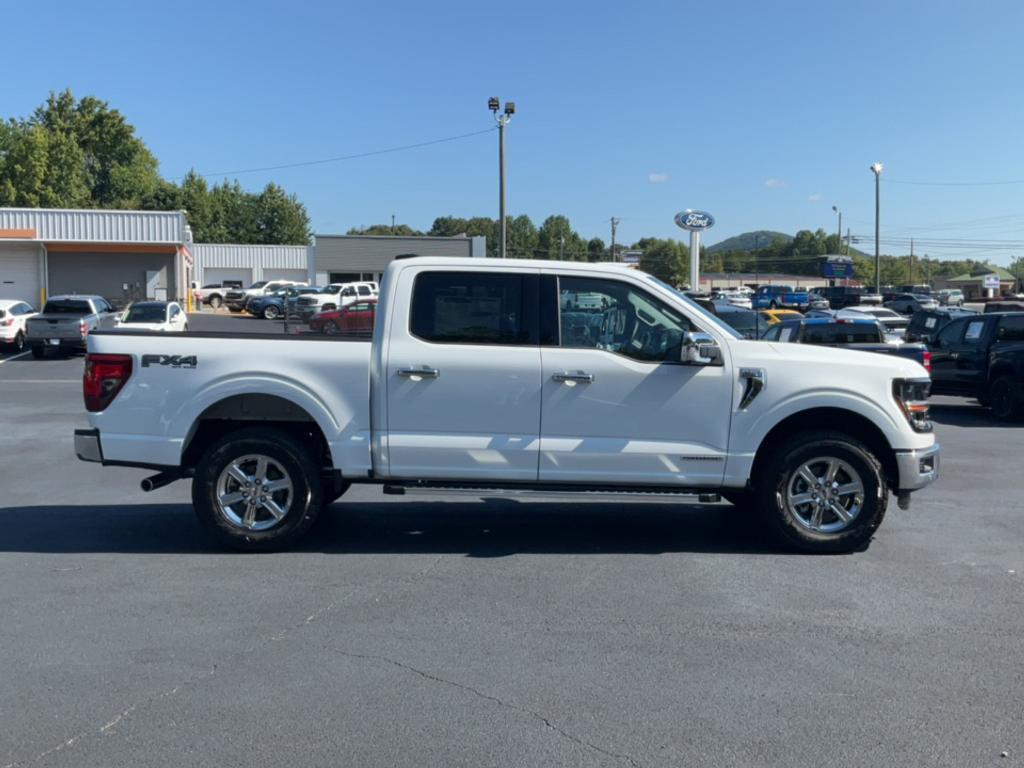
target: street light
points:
(876, 168)
(840, 230)
(502, 119)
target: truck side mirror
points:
(700, 349)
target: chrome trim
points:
(416, 374)
(573, 377)
(756, 379)
(87, 445)
(908, 463)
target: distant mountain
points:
(748, 241)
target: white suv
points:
(334, 296)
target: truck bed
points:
(181, 375)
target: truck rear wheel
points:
(257, 490)
(823, 492)
(1005, 399)
(38, 351)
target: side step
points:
(553, 492)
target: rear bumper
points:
(917, 468)
(75, 342)
(87, 445)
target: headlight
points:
(912, 397)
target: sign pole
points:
(694, 260)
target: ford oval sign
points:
(695, 221)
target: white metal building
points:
(348, 258)
(121, 255)
(215, 263)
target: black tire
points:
(291, 458)
(1005, 399)
(271, 312)
(773, 305)
(234, 311)
(38, 351)
(330, 328)
(335, 491)
(215, 302)
(18, 345)
(328, 308)
(778, 474)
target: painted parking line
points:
(15, 357)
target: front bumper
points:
(87, 445)
(917, 468)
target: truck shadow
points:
(486, 528)
(967, 415)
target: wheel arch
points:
(239, 411)
(831, 419)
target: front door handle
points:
(575, 377)
(418, 374)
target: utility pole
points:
(392, 224)
(911, 270)
(847, 241)
(876, 168)
(757, 270)
(839, 231)
(615, 223)
(501, 120)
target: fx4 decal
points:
(174, 361)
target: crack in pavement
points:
(500, 702)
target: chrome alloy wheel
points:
(254, 493)
(825, 495)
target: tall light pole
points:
(502, 119)
(615, 224)
(839, 231)
(876, 168)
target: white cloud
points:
(657, 178)
(815, 197)
(774, 183)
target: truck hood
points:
(829, 362)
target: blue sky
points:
(765, 114)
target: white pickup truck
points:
(479, 378)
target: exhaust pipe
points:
(160, 479)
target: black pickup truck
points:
(983, 357)
(864, 334)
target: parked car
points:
(163, 316)
(237, 298)
(909, 303)
(862, 334)
(950, 297)
(926, 323)
(333, 297)
(773, 316)
(13, 318)
(732, 298)
(274, 305)
(894, 322)
(920, 289)
(842, 296)
(212, 294)
(780, 296)
(477, 378)
(1004, 305)
(354, 319)
(66, 321)
(747, 323)
(982, 357)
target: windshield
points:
(141, 313)
(704, 314)
(260, 284)
(67, 307)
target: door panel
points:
(459, 410)
(617, 406)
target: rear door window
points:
(842, 333)
(475, 308)
(1011, 328)
(975, 330)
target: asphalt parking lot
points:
(422, 631)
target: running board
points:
(554, 491)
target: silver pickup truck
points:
(66, 321)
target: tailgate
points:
(54, 327)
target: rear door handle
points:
(574, 377)
(416, 374)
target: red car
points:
(354, 318)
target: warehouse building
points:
(351, 258)
(120, 255)
(217, 264)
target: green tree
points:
(447, 226)
(596, 249)
(281, 218)
(521, 237)
(403, 230)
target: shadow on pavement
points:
(488, 528)
(968, 416)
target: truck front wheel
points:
(257, 489)
(1005, 399)
(822, 492)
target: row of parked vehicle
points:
(330, 309)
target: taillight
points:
(105, 376)
(83, 329)
(927, 362)
(8, 321)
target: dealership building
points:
(130, 255)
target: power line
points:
(340, 158)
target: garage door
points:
(295, 275)
(213, 275)
(19, 272)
